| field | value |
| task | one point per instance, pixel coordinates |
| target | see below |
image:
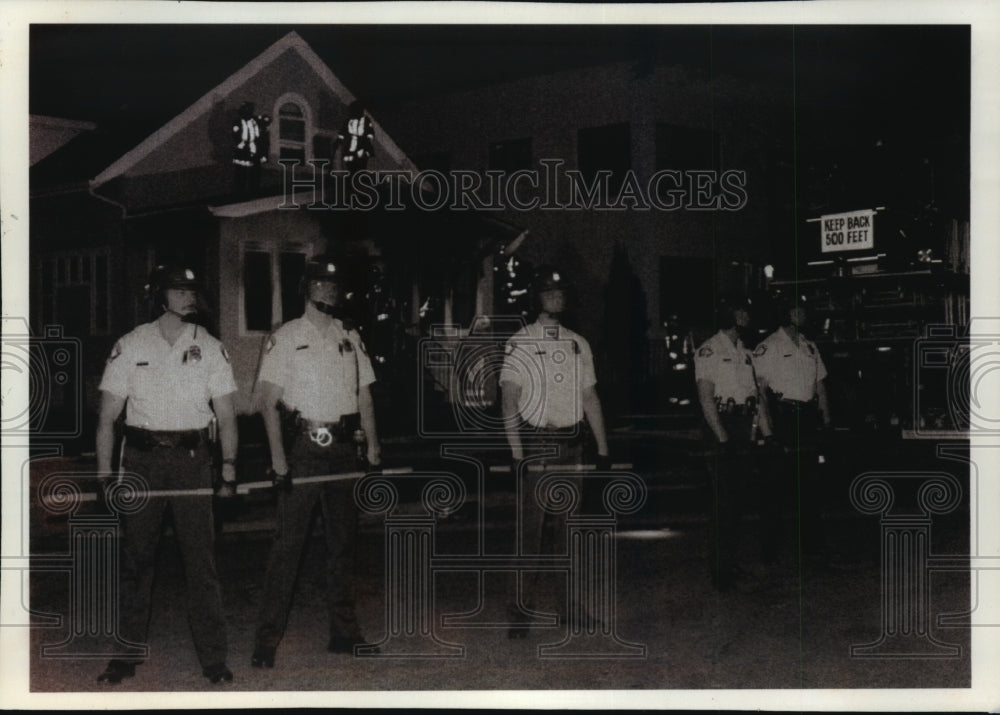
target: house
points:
(654, 187)
(113, 202)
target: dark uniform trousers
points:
(173, 468)
(795, 469)
(730, 468)
(542, 531)
(294, 518)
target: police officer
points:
(315, 397)
(791, 374)
(170, 375)
(548, 388)
(727, 393)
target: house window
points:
(257, 291)
(295, 130)
(512, 155)
(73, 292)
(292, 266)
(270, 284)
(607, 148)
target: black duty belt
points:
(564, 431)
(570, 436)
(737, 410)
(146, 440)
(786, 405)
(326, 433)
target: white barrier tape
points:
(49, 499)
(343, 476)
(617, 467)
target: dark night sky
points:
(853, 85)
(916, 76)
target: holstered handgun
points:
(289, 425)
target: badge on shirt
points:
(705, 352)
(760, 350)
(115, 352)
(192, 354)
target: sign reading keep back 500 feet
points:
(851, 231)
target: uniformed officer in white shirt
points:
(547, 386)
(791, 374)
(171, 376)
(727, 393)
(314, 377)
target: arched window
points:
(293, 130)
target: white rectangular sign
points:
(851, 231)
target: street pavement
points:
(788, 624)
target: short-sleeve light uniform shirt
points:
(791, 370)
(727, 366)
(168, 387)
(319, 372)
(553, 366)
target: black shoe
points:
(217, 672)
(116, 671)
(342, 644)
(263, 657)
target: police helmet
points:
(547, 278)
(320, 268)
(784, 303)
(165, 277)
(726, 308)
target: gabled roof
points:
(291, 41)
(49, 134)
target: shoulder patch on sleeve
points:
(115, 352)
(705, 352)
(760, 350)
